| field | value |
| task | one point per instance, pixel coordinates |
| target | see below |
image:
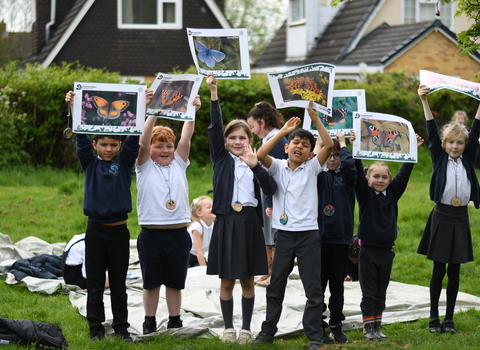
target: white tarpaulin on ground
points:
(201, 307)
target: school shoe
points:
(244, 337)
(434, 326)
(229, 336)
(175, 323)
(263, 337)
(448, 326)
(377, 328)
(123, 334)
(337, 334)
(149, 326)
(325, 338)
(97, 334)
(315, 344)
(369, 332)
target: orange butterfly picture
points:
(109, 110)
(169, 97)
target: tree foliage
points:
(261, 18)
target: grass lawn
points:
(47, 203)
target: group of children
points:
(314, 232)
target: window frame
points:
(177, 24)
(303, 18)
(427, 2)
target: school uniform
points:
(163, 253)
(237, 247)
(296, 237)
(378, 231)
(336, 188)
(107, 200)
(447, 237)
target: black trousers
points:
(375, 268)
(306, 247)
(107, 247)
(334, 267)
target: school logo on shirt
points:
(338, 181)
(114, 169)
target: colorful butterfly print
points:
(109, 110)
(304, 83)
(383, 138)
(208, 55)
(169, 98)
(337, 117)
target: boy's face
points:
(455, 148)
(162, 152)
(298, 150)
(333, 162)
(107, 148)
(378, 178)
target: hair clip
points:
(258, 104)
(195, 201)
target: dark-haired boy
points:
(107, 202)
(295, 210)
(336, 203)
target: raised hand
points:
(250, 156)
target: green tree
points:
(261, 18)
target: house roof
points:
(88, 34)
(342, 31)
(385, 43)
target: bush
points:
(36, 96)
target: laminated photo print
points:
(173, 95)
(102, 108)
(437, 81)
(223, 52)
(384, 137)
(299, 86)
(344, 103)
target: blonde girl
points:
(200, 229)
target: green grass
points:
(47, 203)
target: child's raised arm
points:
(287, 128)
(325, 151)
(145, 138)
(423, 91)
(212, 84)
(183, 147)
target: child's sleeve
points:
(434, 141)
(400, 182)
(267, 183)
(130, 149)
(362, 184)
(84, 150)
(347, 167)
(215, 131)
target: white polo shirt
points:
(296, 195)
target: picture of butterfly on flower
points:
(310, 86)
(218, 53)
(108, 108)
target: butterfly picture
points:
(337, 117)
(208, 55)
(169, 97)
(109, 110)
(384, 137)
(303, 83)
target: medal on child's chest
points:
(171, 204)
(283, 219)
(329, 210)
(237, 206)
(456, 201)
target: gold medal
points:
(237, 206)
(171, 204)
(456, 201)
(283, 219)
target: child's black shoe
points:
(434, 326)
(337, 334)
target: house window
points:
(150, 14)
(297, 11)
(415, 11)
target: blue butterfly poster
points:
(102, 108)
(384, 137)
(223, 52)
